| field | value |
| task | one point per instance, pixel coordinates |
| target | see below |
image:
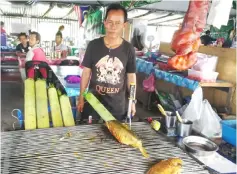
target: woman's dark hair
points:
(37, 35)
(117, 7)
(59, 34)
(22, 34)
(61, 27)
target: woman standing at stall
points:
(60, 30)
(36, 53)
(60, 47)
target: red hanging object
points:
(186, 41)
(77, 10)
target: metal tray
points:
(199, 145)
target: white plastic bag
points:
(193, 111)
(204, 118)
(209, 122)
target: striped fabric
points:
(77, 10)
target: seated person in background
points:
(137, 40)
(229, 40)
(23, 47)
(36, 53)
(59, 46)
(207, 39)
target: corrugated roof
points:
(170, 5)
(168, 18)
(165, 12)
(154, 15)
(38, 10)
(157, 17)
(176, 22)
(58, 12)
(52, 10)
(136, 12)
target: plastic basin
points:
(229, 131)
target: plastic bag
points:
(149, 84)
(209, 122)
(195, 17)
(204, 118)
(183, 62)
(206, 63)
(186, 40)
(193, 111)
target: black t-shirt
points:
(109, 73)
(22, 49)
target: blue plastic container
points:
(20, 118)
(229, 131)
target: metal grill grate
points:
(90, 149)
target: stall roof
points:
(166, 12)
(62, 9)
(169, 5)
(79, 2)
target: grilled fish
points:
(169, 166)
(125, 136)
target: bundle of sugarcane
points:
(66, 109)
(29, 107)
(55, 107)
(98, 107)
(41, 104)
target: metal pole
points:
(131, 99)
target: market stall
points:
(185, 134)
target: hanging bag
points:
(149, 84)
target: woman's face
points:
(32, 40)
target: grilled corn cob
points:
(66, 109)
(55, 107)
(41, 104)
(29, 107)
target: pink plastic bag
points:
(149, 84)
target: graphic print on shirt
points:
(109, 70)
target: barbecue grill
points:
(89, 149)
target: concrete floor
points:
(12, 97)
